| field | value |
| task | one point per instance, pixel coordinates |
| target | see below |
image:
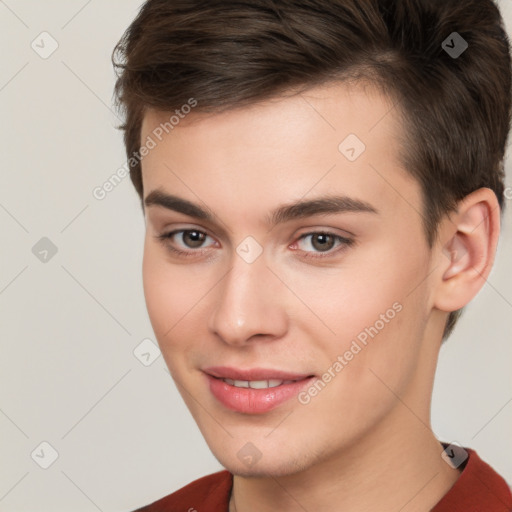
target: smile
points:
(254, 391)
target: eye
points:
(191, 240)
(322, 244)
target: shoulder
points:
(208, 493)
(479, 487)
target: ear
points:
(466, 248)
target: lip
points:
(254, 401)
(229, 372)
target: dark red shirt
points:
(478, 489)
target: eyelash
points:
(164, 238)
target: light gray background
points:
(69, 326)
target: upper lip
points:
(227, 372)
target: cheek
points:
(340, 303)
(367, 313)
(170, 295)
(391, 357)
(157, 292)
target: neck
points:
(390, 469)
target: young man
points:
(322, 184)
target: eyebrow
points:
(300, 209)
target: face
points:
(331, 294)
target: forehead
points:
(338, 106)
(331, 138)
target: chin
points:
(276, 467)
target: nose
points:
(249, 304)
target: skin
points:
(364, 442)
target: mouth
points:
(253, 374)
(254, 391)
(257, 384)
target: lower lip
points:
(254, 401)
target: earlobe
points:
(467, 249)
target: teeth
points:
(256, 384)
(272, 383)
(262, 384)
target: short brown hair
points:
(229, 53)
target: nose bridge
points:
(247, 303)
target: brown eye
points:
(322, 242)
(184, 242)
(193, 239)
